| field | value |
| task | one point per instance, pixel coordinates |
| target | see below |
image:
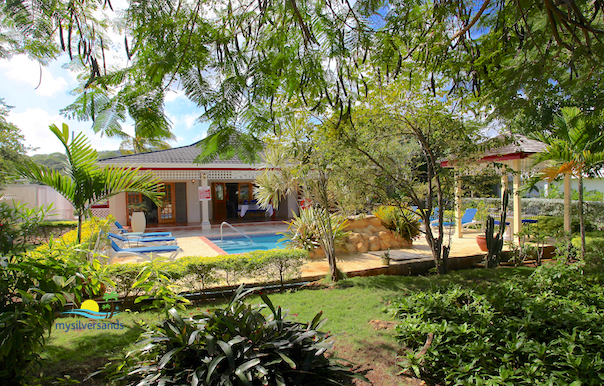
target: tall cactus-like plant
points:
(495, 241)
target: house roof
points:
(175, 156)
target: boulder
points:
(372, 230)
(374, 243)
(355, 238)
(383, 235)
(319, 252)
(361, 247)
(350, 248)
(376, 222)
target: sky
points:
(37, 107)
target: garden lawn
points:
(354, 309)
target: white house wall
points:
(193, 203)
(117, 207)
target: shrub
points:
(19, 225)
(234, 345)
(32, 292)
(200, 272)
(56, 229)
(547, 329)
(92, 235)
(304, 232)
(594, 210)
(403, 222)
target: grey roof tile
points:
(177, 155)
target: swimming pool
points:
(239, 244)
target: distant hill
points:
(57, 161)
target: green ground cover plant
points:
(544, 329)
(79, 354)
(237, 344)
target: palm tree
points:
(575, 147)
(85, 183)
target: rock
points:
(350, 248)
(319, 253)
(376, 222)
(372, 230)
(355, 238)
(406, 243)
(374, 243)
(384, 235)
(361, 247)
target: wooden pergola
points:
(516, 156)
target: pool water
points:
(239, 244)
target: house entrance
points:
(226, 198)
(172, 210)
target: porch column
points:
(205, 206)
(517, 225)
(458, 204)
(567, 203)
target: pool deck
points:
(192, 243)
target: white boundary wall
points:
(37, 195)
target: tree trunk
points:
(329, 246)
(79, 228)
(581, 216)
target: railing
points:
(235, 229)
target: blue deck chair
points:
(432, 218)
(466, 220)
(143, 252)
(143, 240)
(150, 234)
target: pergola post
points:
(458, 205)
(517, 223)
(567, 203)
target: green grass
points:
(348, 305)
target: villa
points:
(187, 185)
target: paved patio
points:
(192, 244)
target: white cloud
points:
(172, 95)
(24, 70)
(34, 123)
(190, 120)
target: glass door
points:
(166, 214)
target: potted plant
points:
(385, 258)
(138, 221)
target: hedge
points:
(594, 210)
(55, 229)
(198, 273)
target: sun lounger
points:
(143, 240)
(143, 252)
(123, 231)
(466, 220)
